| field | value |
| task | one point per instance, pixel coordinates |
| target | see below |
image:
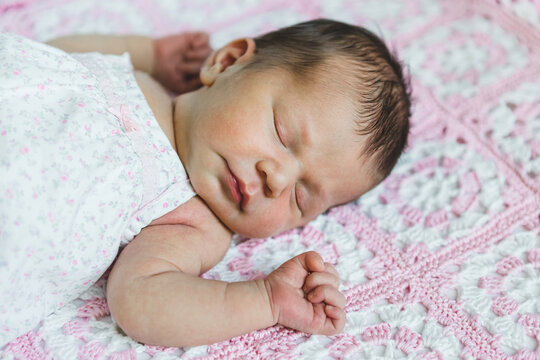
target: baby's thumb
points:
(314, 261)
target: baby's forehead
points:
(334, 73)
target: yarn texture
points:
(439, 261)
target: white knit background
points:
(443, 257)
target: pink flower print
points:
(165, 205)
(4, 132)
(81, 104)
(16, 71)
(41, 87)
(23, 150)
(9, 193)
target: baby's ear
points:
(236, 52)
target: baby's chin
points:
(245, 228)
(250, 233)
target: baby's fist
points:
(178, 60)
(304, 295)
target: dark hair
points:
(372, 72)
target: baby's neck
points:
(180, 120)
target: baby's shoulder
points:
(194, 213)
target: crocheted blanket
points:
(441, 260)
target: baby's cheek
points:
(261, 225)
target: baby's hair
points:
(372, 74)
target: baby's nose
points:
(276, 176)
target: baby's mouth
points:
(234, 187)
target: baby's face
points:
(267, 154)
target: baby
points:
(284, 127)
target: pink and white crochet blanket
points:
(441, 260)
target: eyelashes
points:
(282, 138)
(298, 199)
(279, 131)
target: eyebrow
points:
(311, 190)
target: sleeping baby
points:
(95, 157)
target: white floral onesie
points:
(84, 166)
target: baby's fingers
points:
(320, 278)
(198, 54)
(327, 294)
(335, 319)
(330, 320)
(191, 67)
(200, 39)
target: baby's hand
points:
(304, 295)
(178, 60)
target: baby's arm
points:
(175, 61)
(140, 48)
(157, 297)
